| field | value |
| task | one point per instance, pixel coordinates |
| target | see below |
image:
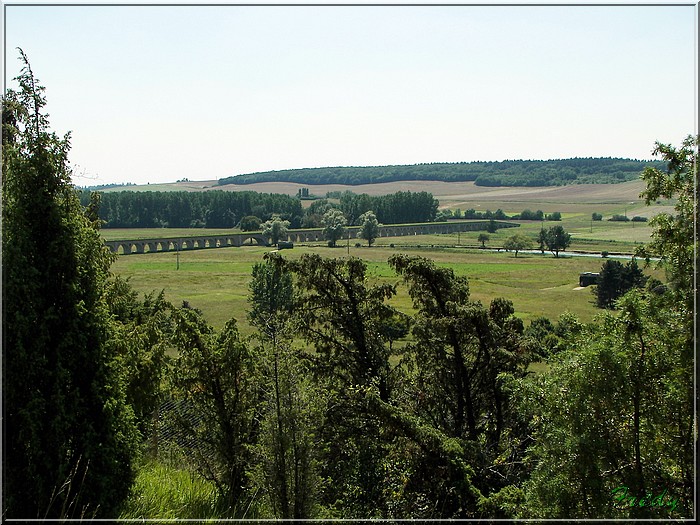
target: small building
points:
(588, 278)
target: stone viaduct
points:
(198, 242)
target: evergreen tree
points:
(70, 438)
(615, 280)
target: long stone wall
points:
(200, 242)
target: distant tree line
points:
(505, 173)
(181, 209)
(248, 209)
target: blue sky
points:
(160, 93)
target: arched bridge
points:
(300, 236)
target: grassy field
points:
(216, 281)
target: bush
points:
(637, 218)
(619, 218)
(604, 254)
(597, 216)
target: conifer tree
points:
(69, 435)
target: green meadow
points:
(216, 280)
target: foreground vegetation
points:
(341, 403)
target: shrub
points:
(619, 218)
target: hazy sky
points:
(159, 93)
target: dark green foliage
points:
(345, 320)
(462, 353)
(483, 239)
(556, 216)
(619, 218)
(250, 223)
(608, 415)
(271, 297)
(182, 209)
(615, 280)
(69, 437)
(674, 237)
(139, 339)
(637, 218)
(505, 173)
(542, 335)
(291, 410)
(596, 216)
(555, 238)
(397, 208)
(215, 378)
(529, 215)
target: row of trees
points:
(504, 173)
(499, 214)
(334, 226)
(182, 209)
(228, 209)
(331, 410)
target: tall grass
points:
(162, 491)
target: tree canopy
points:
(505, 173)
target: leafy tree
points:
(557, 239)
(215, 379)
(542, 240)
(291, 415)
(483, 239)
(275, 229)
(250, 223)
(369, 227)
(140, 338)
(601, 418)
(288, 464)
(462, 352)
(334, 223)
(345, 319)
(517, 242)
(618, 405)
(615, 280)
(491, 227)
(543, 336)
(69, 436)
(555, 216)
(596, 216)
(271, 298)
(673, 237)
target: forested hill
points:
(505, 173)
